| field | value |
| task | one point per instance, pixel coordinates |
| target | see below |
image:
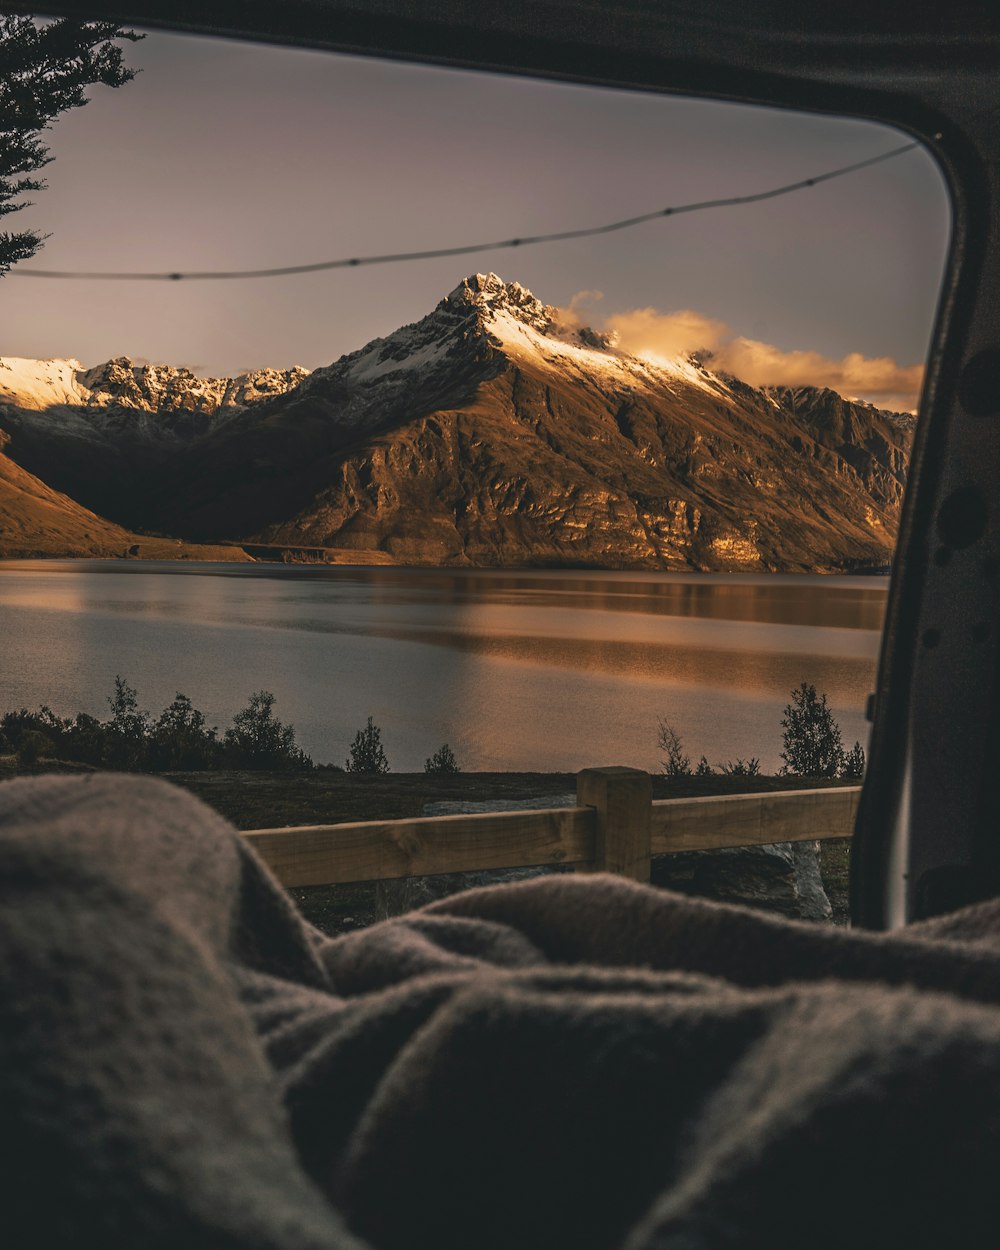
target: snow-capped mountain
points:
(485, 322)
(489, 432)
(97, 399)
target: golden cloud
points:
(646, 332)
(880, 379)
(568, 315)
(656, 335)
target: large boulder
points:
(783, 877)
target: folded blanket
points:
(569, 1061)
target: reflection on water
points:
(516, 670)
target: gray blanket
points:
(566, 1062)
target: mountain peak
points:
(491, 295)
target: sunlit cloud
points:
(646, 332)
(880, 380)
(569, 316)
(656, 335)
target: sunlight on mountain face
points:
(494, 431)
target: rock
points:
(783, 877)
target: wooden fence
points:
(615, 827)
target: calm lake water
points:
(516, 670)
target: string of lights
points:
(391, 258)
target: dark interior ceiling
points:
(766, 50)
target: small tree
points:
(704, 768)
(257, 740)
(179, 739)
(86, 740)
(367, 754)
(442, 761)
(811, 736)
(127, 730)
(741, 768)
(43, 72)
(675, 763)
(854, 762)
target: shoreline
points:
(174, 551)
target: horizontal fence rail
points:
(379, 850)
(615, 827)
(752, 819)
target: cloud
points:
(880, 380)
(656, 335)
(646, 332)
(568, 316)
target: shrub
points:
(127, 730)
(85, 740)
(811, 736)
(257, 740)
(675, 763)
(704, 768)
(32, 746)
(854, 762)
(15, 725)
(442, 761)
(367, 754)
(741, 768)
(179, 739)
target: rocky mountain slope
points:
(488, 433)
(37, 521)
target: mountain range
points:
(493, 432)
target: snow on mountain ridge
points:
(526, 327)
(40, 384)
(483, 317)
(122, 399)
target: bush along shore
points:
(256, 775)
(179, 739)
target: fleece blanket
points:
(565, 1062)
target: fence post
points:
(622, 799)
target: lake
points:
(516, 670)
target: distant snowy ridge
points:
(69, 388)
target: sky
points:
(228, 155)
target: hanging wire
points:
(391, 258)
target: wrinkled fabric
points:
(571, 1061)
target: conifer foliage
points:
(442, 762)
(813, 746)
(367, 753)
(44, 70)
